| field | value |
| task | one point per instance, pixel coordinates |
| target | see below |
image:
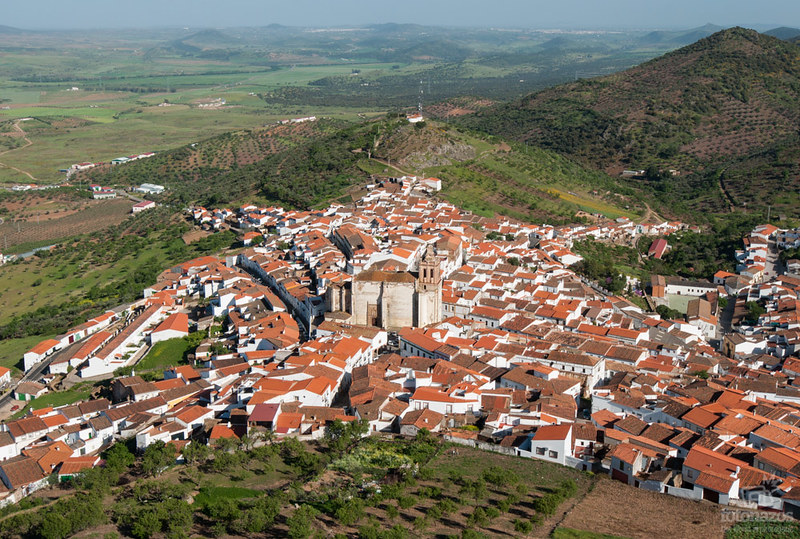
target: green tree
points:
(146, 525)
(523, 526)
(301, 522)
(157, 457)
(754, 311)
(668, 313)
(196, 452)
(119, 457)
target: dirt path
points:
(382, 162)
(650, 214)
(28, 142)
(725, 194)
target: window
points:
(540, 451)
(552, 454)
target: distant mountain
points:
(726, 105)
(10, 30)
(438, 49)
(560, 42)
(211, 44)
(784, 32)
(209, 39)
(679, 38)
(394, 28)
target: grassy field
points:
(163, 355)
(58, 398)
(592, 205)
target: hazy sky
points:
(66, 14)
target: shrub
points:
(430, 492)
(478, 517)
(406, 502)
(447, 506)
(497, 476)
(523, 526)
(350, 512)
(300, 523)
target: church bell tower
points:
(429, 290)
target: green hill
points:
(299, 165)
(722, 112)
(307, 165)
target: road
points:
(31, 376)
(773, 266)
(28, 142)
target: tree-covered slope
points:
(725, 107)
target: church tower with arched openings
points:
(429, 290)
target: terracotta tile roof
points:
(713, 481)
(21, 471)
(553, 432)
(631, 424)
(44, 346)
(74, 465)
(423, 419)
(26, 425)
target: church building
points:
(393, 300)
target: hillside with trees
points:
(723, 113)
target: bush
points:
(300, 523)
(478, 518)
(476, 489)
(430, 492)
(447, 506)
(523, 526)
(350, 512)
(373, 531)
(497, 476)
(426, 474)
(548, 504)
(406, 502)
(503, 506)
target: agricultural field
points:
(613, 500)
(57, 289)
(35, 226)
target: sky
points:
(535, 14)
